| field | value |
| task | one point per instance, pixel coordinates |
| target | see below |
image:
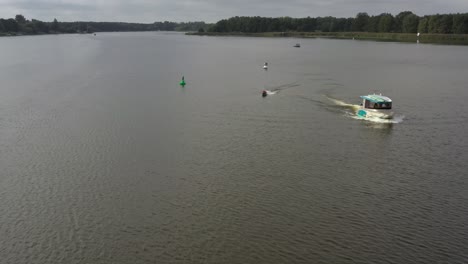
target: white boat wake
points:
(341, 103)
(395, 120)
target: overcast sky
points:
(148, 11)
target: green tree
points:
(55, 25)
(340, 25)
(460, 24)
(40, 26)
(10, 25)
(373, 24)
(307, 24)
(286, 24)
(220, 26)
(274, 25)
(432, 24)
(349, 24)
(20, 19)
(360, 22)
(385, 23)
(410, 24)
(29, 28)
(324, 24)
(398, 25)
(445, 24)
(422, 27)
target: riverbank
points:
(14, 34)
(450, 39)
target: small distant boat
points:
(182, 82)
(264, 93)
(297, 45)
(265, 66)
(374, 105)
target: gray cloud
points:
(148, 11)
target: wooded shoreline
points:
(449, 39)
(404, 27)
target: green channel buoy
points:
(182, 83)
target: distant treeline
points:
(20, 25)
(404, 22)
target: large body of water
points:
(105, 159)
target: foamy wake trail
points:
(341, 103)
(394, 120)
(271, 92)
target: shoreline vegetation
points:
(20, 26)
(449, 39)
(404, 27)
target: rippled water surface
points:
(105, 159)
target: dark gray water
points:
(105, 159)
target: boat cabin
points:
(374, 101)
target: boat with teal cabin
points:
(375, 106)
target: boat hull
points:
(372, 113)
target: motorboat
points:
(297, 45)
(265, 66)
(375, 106)
(264, 93)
